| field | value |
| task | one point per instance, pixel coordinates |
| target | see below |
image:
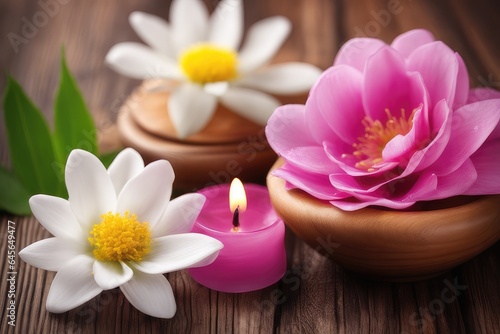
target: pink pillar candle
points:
(253, 256)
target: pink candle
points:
(253, 256)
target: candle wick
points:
(236, 217)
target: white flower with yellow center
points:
(118, 229)
(201, 55)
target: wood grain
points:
(316, 295)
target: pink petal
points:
(486, 161)
(381, 197)
(285, 129)
(401, 147)
(337, 97)
(441, 132)
(439, 67)
(387, 85)
(314, 184)
(356, 51)
(341, 154)
(311, 159)
(406, 43)
(471, 125)
(462, 90)
(456, 183)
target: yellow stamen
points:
(369, 148)
(120, 238)
(205, 63)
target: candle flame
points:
(237, 196)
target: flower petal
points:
(263, 40)
(73, 285)
(439, 67)
(454, 184)
(486, 161)
(56, 216)
(111, 274)
(179, 251)
(148, 193)
(285, 129)
(189, 23)
(406, 43)
(190, 109)
(336, 94)
(282, 79)
(153, 30)
(150, 294)
(138, 61)
(405, 89)
(179, 216)
(356, 52)
(316, 185)
(251, 104)
(471, 125)
(127, 164)
(51, 254)
(226, 24)
(91, 192)
(462, 89)
(312, 159)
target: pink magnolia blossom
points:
(391, 125)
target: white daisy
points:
(201, 54)
(118, 229)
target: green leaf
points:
(108, 158)
(30, 142)
(74, 126)
(13, 196)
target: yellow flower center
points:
(120, 238)
(205, 63)
(369, 148)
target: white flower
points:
(200, 53)
(118, 229)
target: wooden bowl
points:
(386, 244)
(229, 146)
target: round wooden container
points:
(386, 244)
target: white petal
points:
(127, 164)
(150, 294)
(189, 23)
(73, 285)
(263, 40)
(91, 192)
(180, 215)
(55, 214)
(147, 194)
(51, 254)
(179, 251)
(190, 109)
(226, 24)
(216, 88)
(287, 78)
(251, 104)
(155, 31)
(140, 62)
(111, 274)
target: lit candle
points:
(253, 235)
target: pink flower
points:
(390, 125)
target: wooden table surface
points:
(316, 295)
